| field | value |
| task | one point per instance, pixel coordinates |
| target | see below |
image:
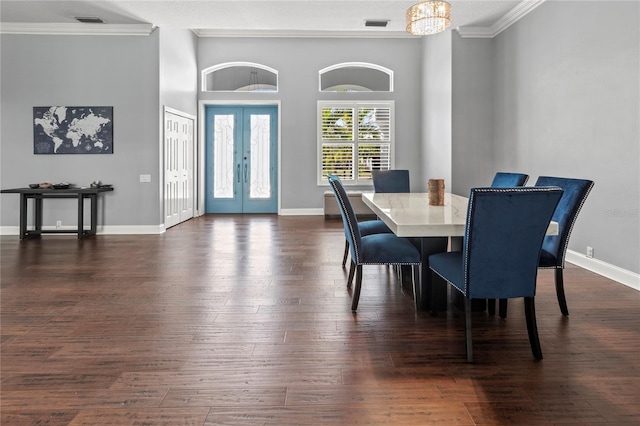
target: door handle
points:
(238, 172)
(245, 173)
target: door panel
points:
(241, 159)
(179, 143)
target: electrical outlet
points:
(145, 178)
(58, 224)
(589, 251)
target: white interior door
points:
(179, 143)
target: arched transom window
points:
(356, 77)
(239, 77)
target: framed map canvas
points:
(73, 130)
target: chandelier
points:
(428, 17)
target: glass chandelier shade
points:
(428, 17)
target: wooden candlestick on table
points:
(436, 192)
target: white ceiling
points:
(277, 17)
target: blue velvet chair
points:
(395, 180)
(391, 180)
(501, 248)
(505, 180)
(383, 181)
(509, 180)
(554, 247)
(374, 249)
(366, 227)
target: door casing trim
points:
(200, 160)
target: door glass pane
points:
(260, 186)
(223, 130)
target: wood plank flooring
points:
(246, 320)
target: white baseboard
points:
(9, 230)
(628, 278)
(102, 230)
(132, 229)
(302, 212)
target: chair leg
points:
(415, 280)
(491, 306)
(352, 270)
(356, 291)
(532, 328)
(467, 329)
(562, 301)
(346, 253)
(502, 308)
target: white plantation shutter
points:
(354, 139)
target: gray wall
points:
(118, 71)
(178, 87)
(473, 115)
(298, 61)
(137, 75)
(179, 70)
(436, 112)
(564, 95)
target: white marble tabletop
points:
(410, 215)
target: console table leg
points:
(93, 199)
(80, 216)
(38, 213)
(23, 215)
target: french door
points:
(241, 159)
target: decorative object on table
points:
(61, 185)
(436, 192)
(428, 17)
(73, 130)
(34, 185)
(45, 185)
(95, 184)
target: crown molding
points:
(302, 33)
(510, 18)
(515, 14)
(75, 29)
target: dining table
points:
(433, 228)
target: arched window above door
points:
(356, 77)
(239, 77)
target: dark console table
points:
(39, 194)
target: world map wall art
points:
(73, 130)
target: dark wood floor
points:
(246, 320)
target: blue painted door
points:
(241, 159)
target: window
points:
(239, 77)
(354, 138)
(356, 77)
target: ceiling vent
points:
(89, 20)
(376, 23)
